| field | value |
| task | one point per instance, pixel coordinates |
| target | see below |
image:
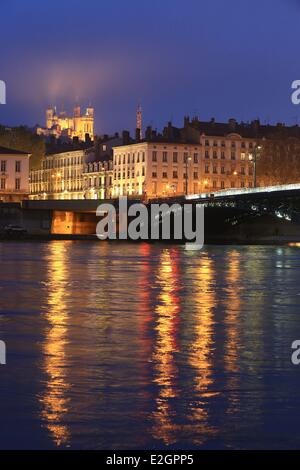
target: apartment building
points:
(14, 175)
(157, 168)
(60, 176)
(97, 180)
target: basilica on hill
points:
(60, 124)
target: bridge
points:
(235, 214)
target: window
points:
(195, 157)
(206, 169)
(154, 174)
(3, 183)
(215, 170)
(215, 154)
(185, 157)
(222, 170)
(3, 165)
(222, 185)
(18, 166)
(243, 170)
(175, 157)
(207, 143)
(175, 174)
(215, 143)
(242, 184)
(214, 184)
(232, 184)
(232, 155)
(165, 156)
(223, 155)
(165, 174)
(195, 175)
(222, 143)
(143, 171)
(154, 156)
(242, 156)
(18, 183)
(206, 154)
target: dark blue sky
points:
(233, 58)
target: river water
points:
(139, 346)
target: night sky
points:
(213, 58)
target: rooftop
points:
(7, 151)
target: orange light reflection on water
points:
(54, 401)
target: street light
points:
(253, 157)
(188, 159)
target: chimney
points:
(148, 134)
(125, 137)
(186, 121)
(138, 134)
(232, 124)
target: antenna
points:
(139, 120)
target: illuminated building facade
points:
(158, 168)
(59, 124)
(97, 180)
(59, 177)
(14, 175)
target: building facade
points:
(97, 180)
(158, 168)
(59, 177)
(14, 175)
(59, 124)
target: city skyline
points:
(221, 61)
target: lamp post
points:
(187, 160)
(253, 157)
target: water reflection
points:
(202, 347)
(146, 346)
(55, 398)
(232, 324)
(167, 326)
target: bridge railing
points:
(237, 192)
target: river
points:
(148, 346)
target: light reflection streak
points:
(201, 356)
(232, 324)
(166, 373)
(54, 401)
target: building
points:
(14, 175)
(158, 167)
(60, 176)
(97, 180)
(70, 175)
(59, 124)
